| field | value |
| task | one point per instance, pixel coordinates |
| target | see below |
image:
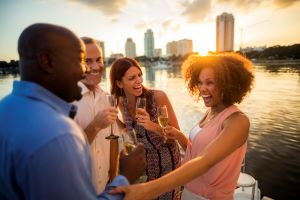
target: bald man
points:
(44, 154)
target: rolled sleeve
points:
(118, 181)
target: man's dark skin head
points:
(53, 57)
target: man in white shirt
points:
(95, 116)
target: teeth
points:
(205, 96)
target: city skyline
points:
(257, 23)
(225, 32)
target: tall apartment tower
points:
(172, 48)
(101, 44)
(157, 52)
(130, 48)
(149, 43)
(184, 47)
(225, 32)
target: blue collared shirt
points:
(43, 153)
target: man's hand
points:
(133, 165)
(106, 117)
(102, 120)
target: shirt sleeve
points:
(61, 169)
(118, 181)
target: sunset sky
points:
(264, 22)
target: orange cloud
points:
(285, 3)
(107, 7)
(197, 10)
(251, 4)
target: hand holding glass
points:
(140, 103)
(112, 101)
(129, 141)
(162, 114)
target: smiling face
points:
(94, 60)
(132, 82)
(208, 88)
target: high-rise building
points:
(116, 55)
(149, 43)
(225, 32)
(101, 44)
(157, 52)
(172, 48)
(184, 47)
(130, 48)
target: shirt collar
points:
(85, 90)
(34, 91)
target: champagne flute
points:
(140, 103)
(129, 141)
(112, 101)
(162, 113)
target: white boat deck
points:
(245, 193)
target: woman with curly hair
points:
(217, 144)
(126, 80)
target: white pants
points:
(188, 195)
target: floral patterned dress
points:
(160, 160)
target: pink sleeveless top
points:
(219, 181)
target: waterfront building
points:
(116, 55)
(130, 48)
(157, 52)
(184, 47)
(149, 43)
(225, 32)
(101, 44)
(172, 48)
(249, 49)
(180, 47)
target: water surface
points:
(273, 155)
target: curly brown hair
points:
(234, 77)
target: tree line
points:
(11, 67)
(276, 52)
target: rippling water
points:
(273, 155)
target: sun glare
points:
(204, 36)
(203, 52)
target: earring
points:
(121, 92)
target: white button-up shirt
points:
(88, 107)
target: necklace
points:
(210, 116)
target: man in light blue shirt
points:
(44, 155)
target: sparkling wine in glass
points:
(162, 114)
(112, 101)
(129, 141)
(140, 103)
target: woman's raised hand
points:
(171, 133)
(143, 118)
